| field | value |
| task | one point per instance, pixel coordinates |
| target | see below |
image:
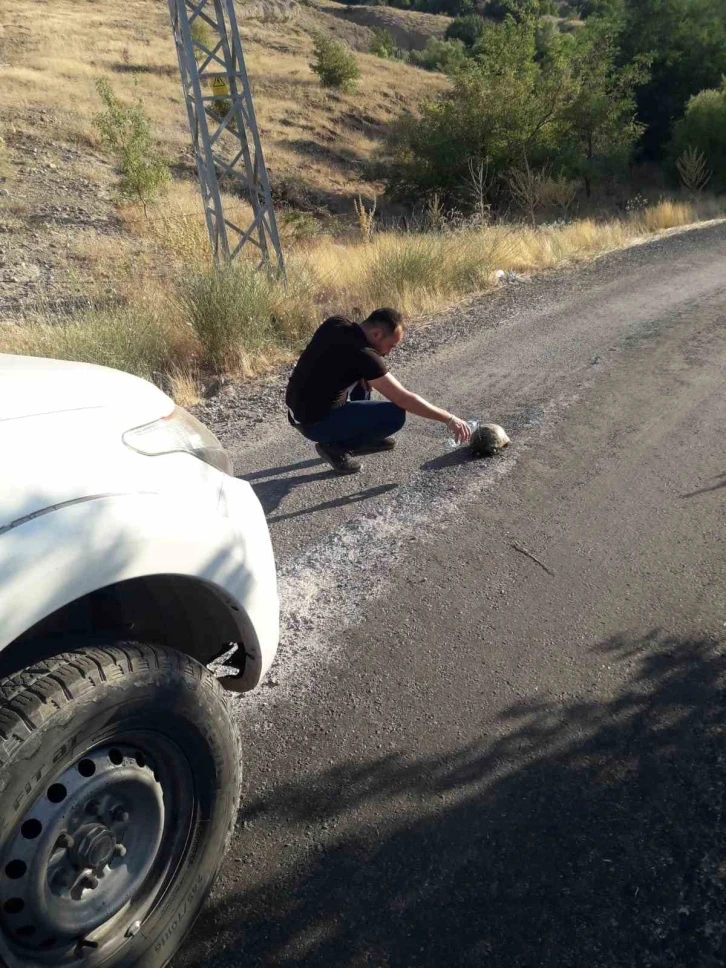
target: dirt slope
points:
(60, 236)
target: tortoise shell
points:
(488, 439)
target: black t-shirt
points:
(335, 359)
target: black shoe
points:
(339, 460)
(376, 446)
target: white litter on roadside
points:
(324, 589)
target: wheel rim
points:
(92, 855)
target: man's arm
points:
(394, 391)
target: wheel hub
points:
(94, 846)
(82, 853)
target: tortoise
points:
(488, 439)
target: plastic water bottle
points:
(451, 443)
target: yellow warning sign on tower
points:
(220, 87)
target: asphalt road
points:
(495, 732)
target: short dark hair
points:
(388, 319)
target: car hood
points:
(31, 386)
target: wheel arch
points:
(129, 564)
(181, 612)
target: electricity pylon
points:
(223, 126)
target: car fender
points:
(64, 552)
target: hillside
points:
(62, 239)
(409, 29)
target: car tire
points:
(119, 782)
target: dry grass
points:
(241, 322)
(666, 215)
(409, 28)
(148, 343)
(184, 384)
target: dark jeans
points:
(359, 422)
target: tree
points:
(334, 64)
(687, 41)
(446, 56)
(703, 128)
(503, 110)
(467, 29)
(382, 43)
(126, 132)
(599, 127)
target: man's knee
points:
(398, 417)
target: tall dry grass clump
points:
(230, 309)
(419, 272)
(246, 319)
(150, 344)
(415, 272)
(666, 214)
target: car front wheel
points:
(119, 784)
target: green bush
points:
(126, 132)
(382, 43)
(231, 309)
(446, 56)
(334, 64)
(467, 29)
(298, 226)
(513, 106)
(500, 106)
(703, 128)
(202, 34)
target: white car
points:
(130, 557)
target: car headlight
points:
(179, 432)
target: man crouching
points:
(328, 395)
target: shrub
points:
(537, 191)
(382, 44)
(334, 64)
(126, 132)
(703, 128)
(446, 56)
(467, 29)
(201, 34)
(693, 170)
(297, 226)
(230, 308)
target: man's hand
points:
(460, 429)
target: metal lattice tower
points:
(227, 144)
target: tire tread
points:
(28, 697)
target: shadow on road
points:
(462, 455)
(300, 465)
(339, 502)
(580, 834)
(272, 493)
(452, 458)
(271, 489)
(720, 482)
